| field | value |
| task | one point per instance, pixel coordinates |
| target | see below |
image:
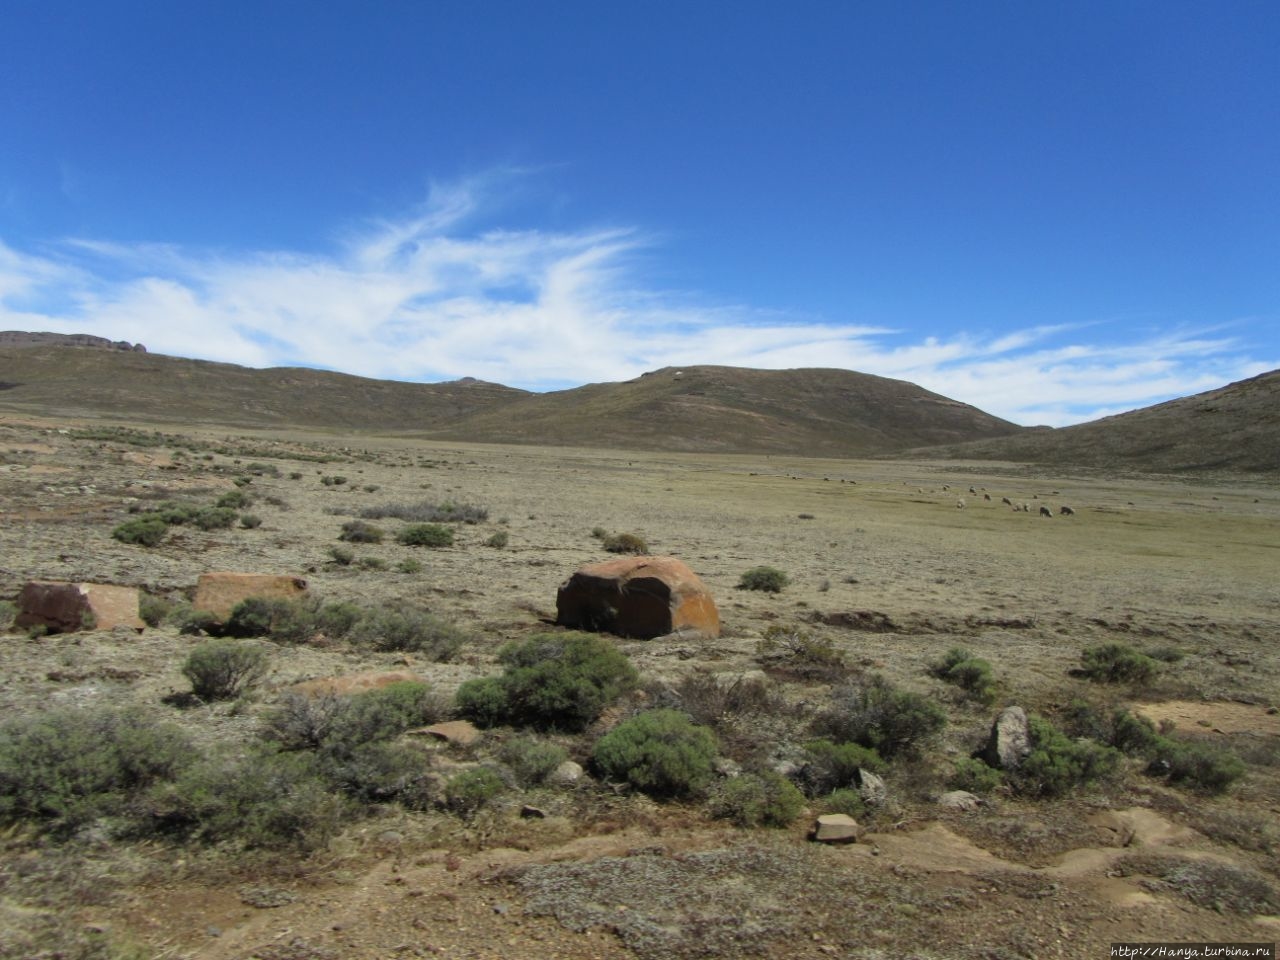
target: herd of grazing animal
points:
(1018, 507)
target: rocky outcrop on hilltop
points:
(20, 338)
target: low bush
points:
(426, 535)
(797, 653)
(625, 543)
(1057, 765)
(214, 518)
(332, 481)
(193, 623)
(146, 531)
(407, 629)
(1117, 663)
(716, 701)
(764, 799)
(358, 531)
(660, 752)
(234, 500)
(973, 775)
(223, 669)
(846, 800)
(471, 790)
(9, 610)
(499, 540)
(531, 759)
(766, 579)
(152, 609)
(831, 766)
(342, 556)
(971, 674)
(1196, 764)
(67, 767)
(266, 800)
(426, 512)
(372, 563)
(551, 682)
(250, 521)
(874, 713)
(409, 566)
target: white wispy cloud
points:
(425, 298)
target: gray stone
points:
(959, 800)
(871, 788)
(567, 774)
(1010, 740)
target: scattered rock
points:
(637, 597)
(63, 607)
(218, 593)
(1010, 740)
(530, 812)
(836, 828)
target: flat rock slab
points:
(354, 683)
(459, 732)
(218, 593)
(641, 597)
(62, 607)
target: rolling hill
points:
(1235, 428)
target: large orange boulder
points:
(637, 597)
(218, 593)
(62, 607)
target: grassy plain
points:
(884, 565)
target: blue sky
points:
(1052, 211)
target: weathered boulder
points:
(567, 774)
(637, 597)
(836, 828)
(63, 607)
(1010, 740)
(218, 593)
(959, 800)
(353, 683)
(871, 788)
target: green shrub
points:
(250, 521)
(195, 622)
(295, 475)
(330, 481)
(153, 610)
(874, 713)
(68, 766)
(625, 543)
(224, 669)
(147, 531)
(266, 800)
(973, 775)
(1117, 663)
(380, 772)
(660, 752)
(409, 630)
(234, 500)
(551, 682)
(1196, 764)
(409, 566)
(9, 610)
(372, 563)
(830, 766)
(471, 790)
(758, 799)
(971, 674)
(767, 579)
(358, 531)
(845, 800)
(499, 540)
(1058, 765)
(531, 759)
(176, 514)
(214, 518)
(342, 556)
(599, 532)
(426, 535)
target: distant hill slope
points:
(1235, 428)
(714, 409)
(812, 412)
(152, 387)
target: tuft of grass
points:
(358, 531)
(873, 713)
(971, 674)
(223, 669)
(410, 630)
(427, 512)
(499, 540)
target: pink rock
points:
(218, 593)
(67, 607)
